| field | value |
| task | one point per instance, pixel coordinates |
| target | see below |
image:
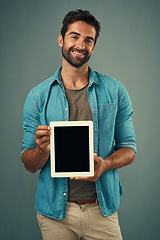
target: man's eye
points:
(88, 41)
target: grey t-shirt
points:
(79, 110)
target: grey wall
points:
(128, 49)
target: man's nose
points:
(81, 44)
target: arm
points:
(36, 140)
(125, 146)
(118, 159)
(36, 158)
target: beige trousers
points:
(84, 221)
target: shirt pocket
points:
(107, 116)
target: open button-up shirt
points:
(113, 129)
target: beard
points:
(75, 61)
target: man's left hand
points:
(98, 170)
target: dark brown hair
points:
(80, 15)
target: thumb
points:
(96, 159)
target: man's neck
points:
(74, 78)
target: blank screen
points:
(71, 148)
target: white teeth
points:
(78, 53)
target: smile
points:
(78, 53)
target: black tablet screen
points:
(71, 148)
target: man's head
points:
(78, 37)
(80, 15)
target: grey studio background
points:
(128, 50)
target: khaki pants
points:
(84, 221)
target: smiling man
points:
(80, 207)
(83, 34)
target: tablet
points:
(71, 149)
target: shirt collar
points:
(56, 76)
(92, 77)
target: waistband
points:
(83, 202)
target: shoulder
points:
(41, 88)
(109, 86)
(105, 84)
(105, 80)
(38, 95)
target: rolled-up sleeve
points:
(124, 130)
(31, 120)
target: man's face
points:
(78, 43)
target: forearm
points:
(34, 159)
(119, 159)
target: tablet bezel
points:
(54, 124)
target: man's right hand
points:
(36, 158)
(42, 138)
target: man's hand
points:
(98, 170)
(118, 159)
(42, 138)
(36, 158)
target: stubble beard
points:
(80, 62)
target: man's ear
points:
(60, 40)
(93, 47)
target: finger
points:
(95, 154)
(43, 127)
(41, 133)
(42, 140)
(96, 158)
(45, 147)
(85, 179)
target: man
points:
(80, 207)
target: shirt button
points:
(66, 109)
(64, 194)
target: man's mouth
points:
(79, 53)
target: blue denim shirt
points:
(113, 129)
